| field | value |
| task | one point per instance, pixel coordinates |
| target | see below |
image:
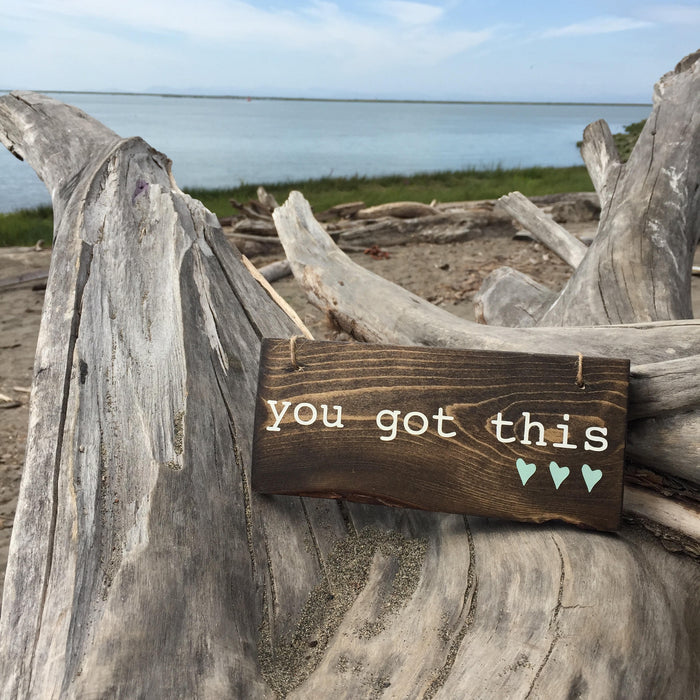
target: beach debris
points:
(347, 210)
(397, 210)
(276, 270)
(266, 199)
(25, 277)
(377, 253)
(356, 227)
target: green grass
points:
(27, 226)
(443, 186)
(625, 142)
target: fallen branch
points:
(397, 210)
(256, 227)
(276, 270)
(376, 310)
(663, 387)
(32, 276)
(266, 199)
(543, 228)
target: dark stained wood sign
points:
(502, 434)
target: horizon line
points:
(338, 99)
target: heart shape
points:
(524, 469)
(558, 473)
(591, 476)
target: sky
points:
(516, 50)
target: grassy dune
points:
(27, 226)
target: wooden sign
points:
(503, 434)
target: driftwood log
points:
(142, 565)
(545, 229)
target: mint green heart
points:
(558, 473)
(525, 470)
(591, 476)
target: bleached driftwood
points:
(650, 221)
(390, 231)
(255, 227)
(664, 387)
(397, 224)
(141, 564)
(276, 270)
(543, 228)
(602, 159)
(346, 210)
(266, 199)
(250, 244)
(253, 212)
(397, 210)
(32, 276)
(640, 228)
(138, 565)
(508, 297)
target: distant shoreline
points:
(341, 99)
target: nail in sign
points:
(500, 434)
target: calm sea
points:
(218, 142)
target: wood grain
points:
(456, 464)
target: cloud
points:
(409, 12)
(597, 25)
(314, 24)
(207, 19)
(672, 14)
(394, 33)
(229, 20)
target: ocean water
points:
(221, 142)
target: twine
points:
(293, 352)
(579, 375)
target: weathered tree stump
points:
(141, 563)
